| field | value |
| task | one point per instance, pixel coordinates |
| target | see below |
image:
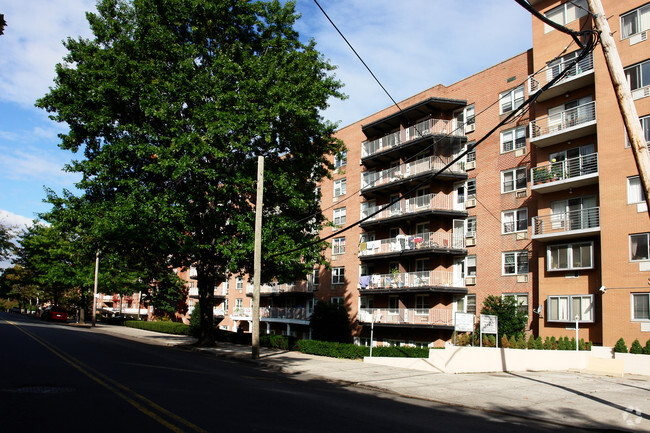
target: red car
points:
(55, 313)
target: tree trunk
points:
(205, 282)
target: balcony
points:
(422, 281)
(390, 145)
(278, 289)
(404, 209)
(580, 75)
(407, 316)
(285, 315)
(241, 313)
(420, 243)
(570, 173)
(134, 311)
(566, 125)
(567, 225)
(397, 176)
(219, 312)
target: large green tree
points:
(171, 103)
(6, 246)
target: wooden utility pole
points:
(624, 97)
(257, 259)
(94, 318)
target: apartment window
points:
(336, 300)
(568, 257)
(465, 304)
(513, 139)
(393, 304)
(470, 227)
(339, 187)
(515, 262)
(640, 306)
(340, 159)
(338, 275)
(239, 283)
(470, 266)
(514, 221)
(565, 308)
(338, 246)
(639, 247)
(566, 13)
(466, 116)
(645, 126)
(471, 155)
(513, 180)
(635, 22)
(238, 303)
(634, 190)
(471, 188)
(339, 217)
(521, 299)
(422, 304)
(638, 76)
(511, 99)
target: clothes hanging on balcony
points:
(364, 281)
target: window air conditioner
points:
(520, 152)
(470, 202)
(522, 235)
(521, 194)
(470, 165)
(639, 37)
(470, 281)
(522, 278)
(470, 241)
(470, 128)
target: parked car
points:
(55, 313)
(15, 310)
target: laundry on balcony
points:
(364, 281)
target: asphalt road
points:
(59, 378)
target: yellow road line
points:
(115, 387)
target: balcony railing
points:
(218, 312)
(536, 82)
(294, 313)
(242, 312)
(276, 288)
(566, 222)
(421, 129)
(407, 316)
(563, 121)
(422, 203)
(430, 164)
(408, 280)
(412, 242)
(571, 168)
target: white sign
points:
(489, 324)
(464, 322)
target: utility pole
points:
(624, 97)
(257, 259)
(94, 319)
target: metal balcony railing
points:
(568, 169)
(293, 313)
(407, 316)
(430, 164)
(411, 280)
(563, 121)
(421, 129)
(536, 82)
(422, 203)
(412, 242)
(242, 312)
(567, 221)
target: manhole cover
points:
(43, 389)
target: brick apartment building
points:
(548, 210)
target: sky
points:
(409, 45)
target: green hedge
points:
(352, 351)
(164, 327)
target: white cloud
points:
(16, 222)
(35, 164)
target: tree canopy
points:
(168, 106)
(512, 320)
(6, 246)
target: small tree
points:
(512, 321)
(539, 345)
(330, 322)
(636, 347)
(646, 349)
(531, 342)
(195, 320)
(620, 346)
(505, 343)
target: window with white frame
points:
(566, 13)
(470, 266)
(634, 190)
(338, 246)
(645, 126)
(470, 227)
(641, 306)
(471, 155)
(515, 262)
(636, 21)
(239, 283)
(465, 116)
(513, 139)
(340, 159)
(639, 247)
(514, 221)
(339, 187)
(422, 304)
(238, 303)
(471, 188)
(338, 275)
(511, 99)
(521, 299)
(567, 257)
(565, 308)
(465, 304)
(513, 180)
(339, 217)
(638, 75)
(336, 300)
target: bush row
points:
(550, 343)
(352, 351)
(159, 326)
(636, 347)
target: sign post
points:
(463, 322)
(489, 325)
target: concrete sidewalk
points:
(562, 398)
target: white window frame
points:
(634, 190)
(463, 301)
(569, 308)
(519, 257)
(521, 299)
(338, 246)
(516, 218)
(470, 188)
(239, 283)
(640, 69)
(646, 244)
(569, 248)
(640, 27)
(470, 223)
(422, 305)
(511, 99)
(468, 260)
(341, 159)
(516, 136)
(340, 187)
(566, 13)
(633, 296)
(336, 300)
(338, 275)
(515, 178)
(339, 217)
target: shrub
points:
(561, 344)
(553, 343)
(582, 345)
(539, 345)
(505, 343)
(521, 343)
(463, 339)
(572, 344)
(620, 346)
(547, 343)
(330, 322)
(531, 342)
(400, 352)
(195, 320)
(489, 340)
(277, 341)
(646, 349)
(512, 342)
(164, 327)
(636, 347)
(511, 320)
(333, 349)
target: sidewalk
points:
(561, 398)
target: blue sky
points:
(410, 46)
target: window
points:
(513, 139)
(317, 194)
(471, 188)
(239, 283)
(471, 155)
(639, 247)
(393, 304)
(570, 256)
(521, 299)
(341, 159)
(338, 275)
(470, 266)
(635, 22)
(638, 76)
(640, 306)
(645, 125)
(565, 308)
(336, 300)
(566, 13)
(515, 262)
(466, 116)
(634, 190)
(339, 217)
(513, 180)
(470, 229)
(511, 99)
(338, 246)
(339, 187)
(465, 304)
(422, 304)
(514, 221)
(238, 303)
